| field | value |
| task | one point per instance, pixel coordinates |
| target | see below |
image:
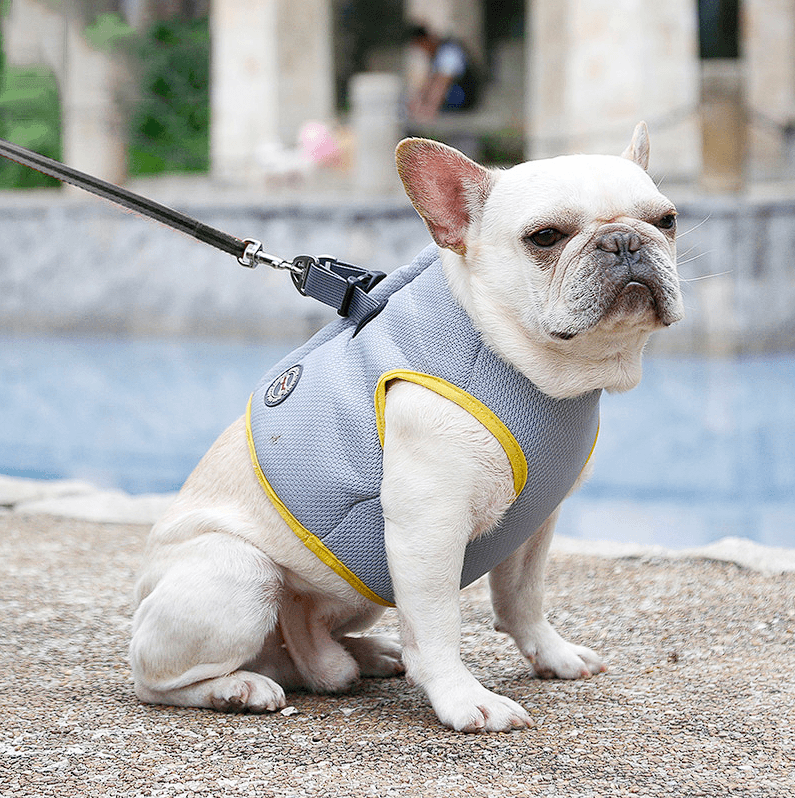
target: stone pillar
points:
(768, 45)
(597, 67)
(723, 125)
(94, 126)
(244, 85)
(272, 70)
(376, 127)
(33, 34)
(306, 65)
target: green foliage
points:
(108, 32)
(170, 128)
(503, 148)
(30, 115)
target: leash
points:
(341, 285)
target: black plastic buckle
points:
(354, 276)
(300, 269)
(332, 281)
(347, 270)
(364, 281)
(371, 280)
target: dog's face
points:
(564, 262)
(595, 241)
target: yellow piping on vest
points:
(438, 385)
(474, 406)
(312, 542)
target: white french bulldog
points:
(564, 267)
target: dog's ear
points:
(447, 189)
(638, 150)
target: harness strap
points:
(342, 286)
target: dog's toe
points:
(473, 708)
(246, 692)
(552, 657)
(378, 656)
(492, 713)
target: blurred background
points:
(125, 348)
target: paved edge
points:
(84, 501)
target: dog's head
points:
(566, 265)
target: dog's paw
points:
(378, 657)
(552, 657)
(244, 691)
(476, 709)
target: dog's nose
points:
(620, 242)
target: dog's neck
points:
(605, 357)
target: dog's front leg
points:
(517, 594)
(430, 480)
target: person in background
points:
(450, 82)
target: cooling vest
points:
(316, 424)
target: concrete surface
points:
(699, 698)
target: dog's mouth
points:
(636, 296)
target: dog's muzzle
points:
(633, 277)
(626, 275)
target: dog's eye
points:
(668, 222)
(547, 237)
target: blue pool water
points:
(700, 450)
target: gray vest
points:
(315, 426)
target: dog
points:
(540, 290)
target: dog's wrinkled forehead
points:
(586, 187)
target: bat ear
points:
(638, 150)
(448, 189)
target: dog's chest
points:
(314, 423)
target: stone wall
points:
(74, 265)
(745, 301)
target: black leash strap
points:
(341, 285)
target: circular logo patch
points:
(283, 386)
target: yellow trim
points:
(312, 542)
(469, 403)
(593, 445)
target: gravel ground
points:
(699, 698)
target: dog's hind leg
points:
(306, 623)
(378, 656)
(210, 618)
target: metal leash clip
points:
(341, 285)
(253, 255)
